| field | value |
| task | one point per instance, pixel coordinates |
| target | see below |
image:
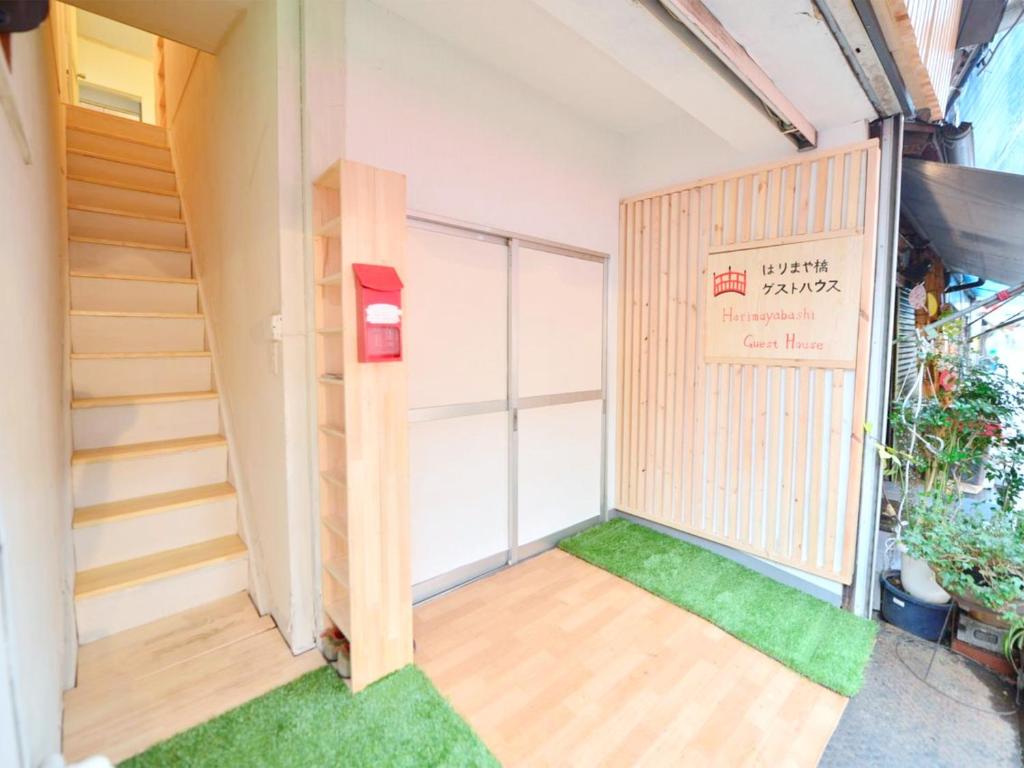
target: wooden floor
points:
(141, 686)
(556, 662)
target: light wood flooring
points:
(557, 663)
(143, 685)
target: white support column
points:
(858, 596)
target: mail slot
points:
(379, 307)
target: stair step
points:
(92, 121)
(160, 397)
(131, 375)
(117, 331)
(124, 149)
(129, 244)
(92, 256)
(125, 213)
(97, 293)
(123, 226)
(137, 450)
(135, 199)
(146, 505)
(139, 278)
(102, 166)
(143, 355)
(126, 185)
(121, 313)
(144, 421)
(112, 158)
(130, 573)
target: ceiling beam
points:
(709, 30)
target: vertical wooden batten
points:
(359, 217)
(763, 456)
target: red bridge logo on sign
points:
(730, 282)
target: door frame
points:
(512, 403)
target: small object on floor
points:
(821, 642)
(984, 636)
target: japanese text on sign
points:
(784, 304)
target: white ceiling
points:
(202, 24)
(617, 64)
(521, 40)
(611, 61)
(115, 34)
(793, 45)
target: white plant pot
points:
(919, 580)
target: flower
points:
(947, 380)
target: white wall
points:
(121, 71)
(236, 150)
(474, 143)
(34, 450)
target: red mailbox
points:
(379, 308)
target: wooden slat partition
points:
(763, 458)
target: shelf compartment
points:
(333, 479)
(337, 569)
(333, 431)
(330, 228)
(338, 612)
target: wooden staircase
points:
(155, 522)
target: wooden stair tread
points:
(110, 511)
(121, 313)
(132, 187)
(137, 127)
(142, 355)
(125, 213)
(136, 278)
(133, 654)
(159, 397)
(162, 167)
(130, 573)
(129, 244)
(154, 448)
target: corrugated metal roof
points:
(974, 218)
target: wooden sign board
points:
(794, 303)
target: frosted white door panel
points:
(559, 467)
(458, 470)
(455, 319)
(560, 323)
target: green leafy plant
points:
(964, 417)
(1013, 645)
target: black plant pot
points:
(915, 616)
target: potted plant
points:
(1013, 648)
(335, 648)
(967, 417)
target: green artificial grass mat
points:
(315, 721)
(821, 642)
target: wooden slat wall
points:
(765, 459)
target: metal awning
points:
(973, 218)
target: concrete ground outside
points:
(898, 720)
